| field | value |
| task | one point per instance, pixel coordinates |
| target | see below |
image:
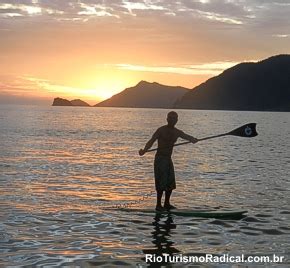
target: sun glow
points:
(104, 83)
(92, 87)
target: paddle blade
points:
(248, 131)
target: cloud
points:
(40, 37)
(55, 89)
(201, 69)
(32, 86)
(16, 85)
(232, 10)
(250, 15)
(220, 18)
(267, 18)
(281, 35)
(95, 10)
(10, 10)
(19, 90)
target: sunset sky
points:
(93, 49)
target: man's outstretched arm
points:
(149, 143)
(187, 137)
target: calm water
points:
(60, 167)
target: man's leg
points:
(159, 198)
(170, 184)
(167, 204)
(167, 198)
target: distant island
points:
(146, 95)
(260, 86)
(64, 102)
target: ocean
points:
(64, 170)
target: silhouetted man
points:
(163, 166)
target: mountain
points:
(145, 95)
(261, 86)
(64, 102)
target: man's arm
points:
(187, 137)
(149, 143)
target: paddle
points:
(247, 131)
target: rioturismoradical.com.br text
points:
(210, 258)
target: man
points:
(163, 166)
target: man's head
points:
(172, 118)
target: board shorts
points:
(164, 173)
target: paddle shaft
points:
(202, 139)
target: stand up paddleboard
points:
(218, 214)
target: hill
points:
(261, 86)
(145, 95)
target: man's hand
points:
(194, 140)
(142, 152)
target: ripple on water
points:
(60, 170)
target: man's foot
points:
(169, 207)
(159, 208)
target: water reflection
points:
(58, 167)
(161, 238)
